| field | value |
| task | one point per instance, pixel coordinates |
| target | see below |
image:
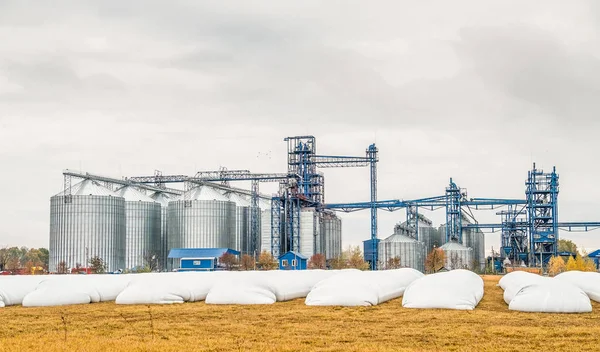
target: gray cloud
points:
(463, 89)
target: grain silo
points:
(163, 249)
(240, 238)
(310, 229)
(475, 239)
(457, 256)
(206, 219)
(400, 251)
(331, 235)
(88, 222)
(264, 243)
(142, 222)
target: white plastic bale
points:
(589, 282)
(551, 296)
(14, 288)
(511, 290)
(457, 289)
(361, 288)
(515, 277)
(250, 287)
(292, 284)
(168, 288)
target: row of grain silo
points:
(409, 247)
(127, 228)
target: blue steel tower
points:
(542, 209)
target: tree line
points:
(24, 260)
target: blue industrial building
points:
(198, 259)
(292, 261)
(595, 256)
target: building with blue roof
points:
(595, 256)
(198, 259)
(292, 261)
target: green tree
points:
(44, 257)
(3, 258)
(97, 265)
(567, 246)
(339, 262)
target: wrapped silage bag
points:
(167, 288)
(244, 287)
(361, 288)
(292, 284)
(14, 288)
(551, 296)
(516, 285)
(456, 289)
(589, 282)
(516, 278)
(76, 289)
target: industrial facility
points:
(131, 221)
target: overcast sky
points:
(474, 90)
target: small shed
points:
(198, 259)
(292, 261)
(595, 256)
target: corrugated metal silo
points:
(457, 256)
(142, 234)
(163, 199)
(410, 252)
(205, 220)
(240, 239)
(331, 230)
(475, 239)
(310, 229)
(91, 224)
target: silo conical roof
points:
(399, 238)
(238, 199)
(206, 193)
(163, 198)
(133, 195)
(89, 187)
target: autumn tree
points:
(229, 260)
(356, 259)
(556, 265)
(247, 262)
(393, 263)
(62, 267)
(436, 259)
(266, 261)
(571, 264)
(97, 265)
(317, 261)
(584, 263)
(339, 262)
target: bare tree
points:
(229, 260)
(393, 263)
(435, 260)
(97, 265)
(151, 261)
(62, 267)
(247, 262)
(266, 261)
(317, 261)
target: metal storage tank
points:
(457, 256)
(331, 233)
(163, 248)
(240, 239)
(475, 239)
(205, 220)
(91, 224)
(142, 222)
(310, 229)
(410, 252)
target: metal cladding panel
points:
(332, 236)
(458, 256)
(265, 231)
(202, 224)
(240, 239)
(86, 227)
(143, 231)
(164, 237)
(431, 237)
(411, 253)
(309, 223)
(475, 239)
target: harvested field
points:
(292, 326)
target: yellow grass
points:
(292, 326)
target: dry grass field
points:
(292, 326)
